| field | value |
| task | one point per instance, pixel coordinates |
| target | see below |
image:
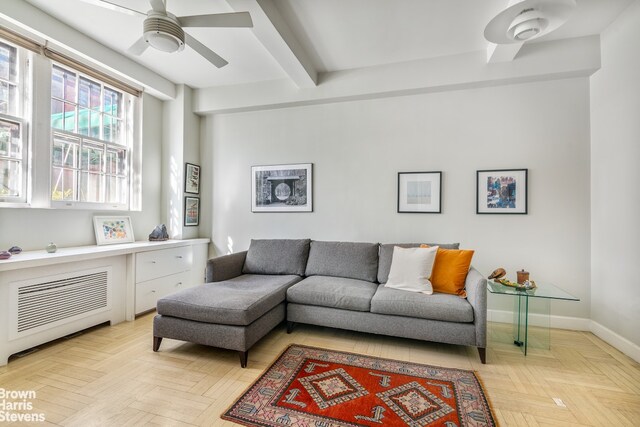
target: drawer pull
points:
(179, 256)
(153, 262)
(153, 291)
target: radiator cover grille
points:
(47, 302)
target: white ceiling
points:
(334, 34)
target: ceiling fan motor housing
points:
(163, 32)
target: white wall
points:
(358, 148)
(615, 196)
(180, 145)
(33, 229)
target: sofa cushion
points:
(277, 256)
(335, 292)
(343, 259)
(450, 271)
(237, 301)
(411, 269)
(386, 255)
(445, 307)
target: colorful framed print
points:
(420, 192)
(112, 230)
(191, 178)
(191, 211)
(282, 188)
(502, 191)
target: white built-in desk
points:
(46, 296)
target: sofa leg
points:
(156, 343)
(243, 358)
(482, 351)
(290, 326)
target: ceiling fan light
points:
(526, 30)
(163, 33)
(163, 42)
(527, 24)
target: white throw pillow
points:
(411, 269)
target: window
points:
(13, 139)
(90, 145)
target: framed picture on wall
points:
(282, 188)
(113, 229)
(501, 191)
(191, 211)
(419, 192)
(191, 178)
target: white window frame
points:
(22, 118)
(131, 141)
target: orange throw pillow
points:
(450, 271)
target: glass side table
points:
(524, 300)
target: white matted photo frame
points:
(191, 178)
(191, 211)
(420, 192)
(502, 191)
(111, 230)
(282, 188)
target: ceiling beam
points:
(276, 36)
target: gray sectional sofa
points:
(334, 284)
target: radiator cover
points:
(43, 303)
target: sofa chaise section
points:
(243, 300)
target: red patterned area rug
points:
(313, 387)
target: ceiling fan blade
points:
(207, 53)
(235, 19)
(138, 47)
(116, 7)
(158, 6)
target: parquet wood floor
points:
(108, 375)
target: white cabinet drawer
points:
(148, 293)
(154, 264)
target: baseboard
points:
(621, 343)
(575, 324)
(557, 322)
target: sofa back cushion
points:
(386, 255)
(277, 256)
(343, 259)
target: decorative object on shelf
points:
(282, 188)
(113, 229)
(498, 273)
(15, 250)
(191, 178)
(420, 192)
(51, 247)
(5, 255)
(529, 284)
(159, 234)
(191, 211)
(522, 276)
(501, 191)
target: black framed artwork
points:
(191, 178)
(502, 191)
(420, 192)
(282, 188)
(191, 211)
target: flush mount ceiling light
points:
(527, 20)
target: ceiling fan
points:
(164, 31)
(527, 20)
